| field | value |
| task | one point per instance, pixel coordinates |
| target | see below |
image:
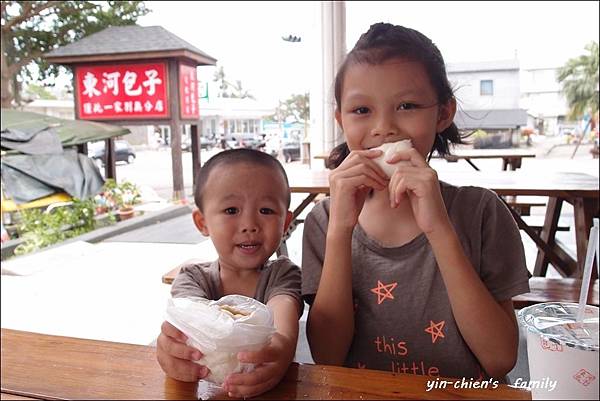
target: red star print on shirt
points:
(383, 291)
(435, 329)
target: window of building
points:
(486, 87)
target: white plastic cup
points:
(563, 354)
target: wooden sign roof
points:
(130, 42)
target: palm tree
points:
(239, 92)
(579, 80)
(223, 84)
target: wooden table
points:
(38, 366)
(511, 157)
(581, 190)
(543, 289)
(324, 157)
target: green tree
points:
(295, 108)
(32, 28)
(35, 91)
(579, 81)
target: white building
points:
(542, 97)
(488, 95)
(233, 116)
(140, 135)
(500, 95)
(50, 107)
(219, 115)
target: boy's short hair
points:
(233, 156)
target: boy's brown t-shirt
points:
(201, 279)
(403, 319)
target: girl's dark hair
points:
(383, 42)
(232, 156)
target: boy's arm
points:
(174, 356)
(274, 359)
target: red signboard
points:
(188, 92)
(122, 91)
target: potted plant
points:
(122, 197)
(129, 196)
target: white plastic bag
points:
(218, 334)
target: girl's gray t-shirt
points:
(201, 279)
(403, 319)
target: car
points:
(123, 152)
(245, 140)
(205, 143)
(291, 150)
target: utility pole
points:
(304, 142)
(279, 118)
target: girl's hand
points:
(349, 185)
(418, 183)
(175, 357)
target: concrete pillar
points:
(325, 134)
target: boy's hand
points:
(175, 357)
(272, 361)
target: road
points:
(152, 168)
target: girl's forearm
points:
(330, 325)
(489, 331)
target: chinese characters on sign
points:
(188, 92)
(122, 91)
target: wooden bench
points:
(545, 289)
(168, 278)
(522, 204)
(542, 290)
(537, 222)
(524, 207)
(206, 253)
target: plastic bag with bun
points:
(220, 329)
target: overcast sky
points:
(245, 37)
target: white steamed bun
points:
(389, 149)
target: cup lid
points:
(557, 322)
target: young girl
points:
(407, 274)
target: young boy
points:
(242, 198)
